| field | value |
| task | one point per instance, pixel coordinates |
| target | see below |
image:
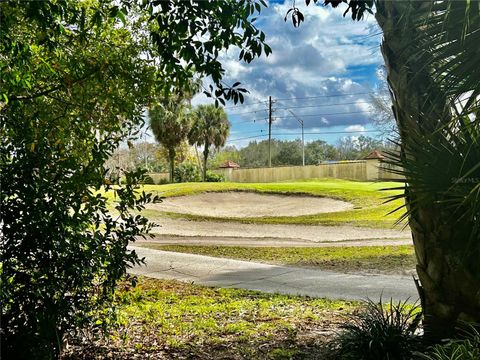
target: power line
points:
(330, 114)
(330, 132)
(300, 106)
(307, 133)
(249, 132)
(324, 96)
(249, 104)
(249, 112)
(323, 105)
(249, 120)
(248, 137)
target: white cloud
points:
(355, 128)
(327, 55)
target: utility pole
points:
(303, 138)
(270, 120)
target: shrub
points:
(163, 181)
(377, 333)
(63, 245)
(148, 180)
(186, 172)
(467, 348)
(213, 177)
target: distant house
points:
(375, 155)
(229, 164)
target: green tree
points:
(318, 151)
(289, 153)
(210, 127)
(62, 250)
(170, 122)
(76, 77)
(255, 154)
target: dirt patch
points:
(244, 204)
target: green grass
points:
(368, 199)
(184, 321)
(379, 259)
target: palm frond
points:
(444, 169)
(451, 38)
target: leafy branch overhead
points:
(202, 30)
(184, 37)
(356, 7)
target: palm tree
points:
(431, 54)
(170, 123)
(210, 127)
(170, 119)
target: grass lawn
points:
(161, 319)
(378, 259)
(367, 197)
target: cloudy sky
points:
(323, 72)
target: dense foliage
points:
(63, 250)
(76, 78)
(187, 172)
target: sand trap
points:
(244, 204)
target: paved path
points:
(264, 241)
(317, 233)
(217, 272)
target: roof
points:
(229, 164)
(375, 154)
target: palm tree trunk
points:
(198, 157)
(205, 159)
(449, 285)
(171, 157)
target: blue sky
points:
(323, 71)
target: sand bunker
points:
(243, 204)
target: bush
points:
(378, 334)
(186, 172)
(213, 177)
(64, 246)
(147, 180)
(163, 181)
(467, 348)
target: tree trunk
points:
(449, 277)
(171, 157)
(205, 159)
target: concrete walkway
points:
(263, 241)
(228, 273)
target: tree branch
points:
(49, 91)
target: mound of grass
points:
(167, 319)
(379, 259)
